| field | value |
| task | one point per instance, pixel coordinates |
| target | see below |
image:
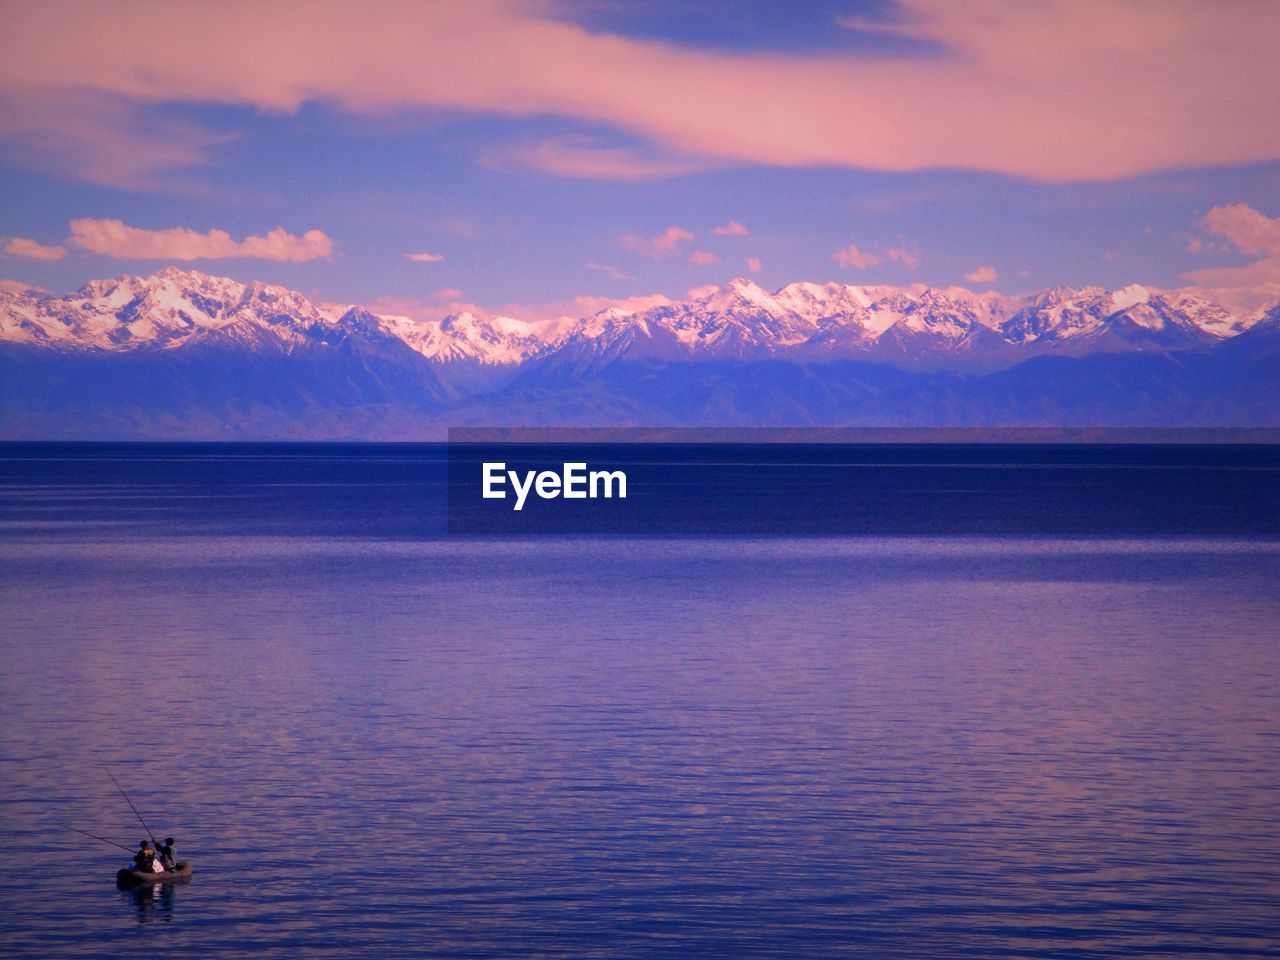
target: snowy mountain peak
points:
(738, 294)
(1129, 296)
(189, 277)
(464, 322)
(818, 301)
(602, 321)
(467, 336)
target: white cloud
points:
(32, 250)
(112, 238)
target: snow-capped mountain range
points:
(183, 355)
(910, 327)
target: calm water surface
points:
(405, 745)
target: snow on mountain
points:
(937, 316)
(817, 302)
(813, 321)
(465, 336)
(164, 311)
(738, 321)
(489, 340)
(937, 330)
(1129, 296)
(177, 307)
(603, 322)
(1093, 319)
(1210, 317)
(1058, 314)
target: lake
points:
(372, 738)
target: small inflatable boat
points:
(132, 878)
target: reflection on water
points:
(892, 747)
(153, 902)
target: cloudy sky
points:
(555, 154)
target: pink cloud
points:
(414, 309)
(32, 250)
(584, 306)
(697, 293)
(664, 245)
(1017, 100)
(1245, 228)
(424, 257)
(731, 229)
(102, 139)
(112, 238)
(458, 227)
(703, 258)
(610, 271)
(753, 264)
(1251, 232)
(586, 158)
(904, 257)
(851, 256)
(1264, 272)
(982, 275)
(17, 286)
(1261, 293)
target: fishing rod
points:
(96, 837)
(130, 803)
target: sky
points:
(553, 156)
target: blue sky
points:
(542, 198)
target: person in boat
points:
(165, 850)
(144, 861)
